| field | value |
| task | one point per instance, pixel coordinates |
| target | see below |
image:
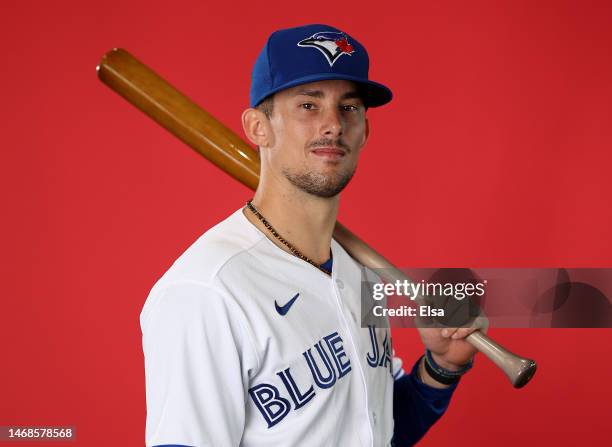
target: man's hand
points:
(449, 348)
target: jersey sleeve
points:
(416, 406)
(197, 363)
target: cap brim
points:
(376, 94)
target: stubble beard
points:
(318, 184)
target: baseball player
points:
(252, 337)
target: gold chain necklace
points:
(282, 240)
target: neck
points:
(304, 220)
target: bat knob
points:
(518, 369)
(523, 372)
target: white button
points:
(340, 284)
(374, 417)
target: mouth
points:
(329, 152)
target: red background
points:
(494, 153)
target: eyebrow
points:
(353, 94)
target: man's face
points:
(318, 130)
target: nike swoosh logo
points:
(282, 310)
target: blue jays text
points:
(329, 365)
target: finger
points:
(463, 332)
(448, 332)
(481, 323)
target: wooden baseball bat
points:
(142, 87)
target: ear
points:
(366, 133)
(256, 126)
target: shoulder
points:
(218, 246)
(191, 284)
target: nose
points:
(331, 124)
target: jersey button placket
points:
(343, 316)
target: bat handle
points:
(518, 369)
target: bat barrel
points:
(153, 95)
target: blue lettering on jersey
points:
(374, 356)
(274, 408)
(334, 341)
(322, 381)
(379, 357)
(299, 399)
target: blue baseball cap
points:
(311, 53)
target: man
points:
(252, 337)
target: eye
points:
(307, 106)
(349, 108)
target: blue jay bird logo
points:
(331, 44)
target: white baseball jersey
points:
(245, 344)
